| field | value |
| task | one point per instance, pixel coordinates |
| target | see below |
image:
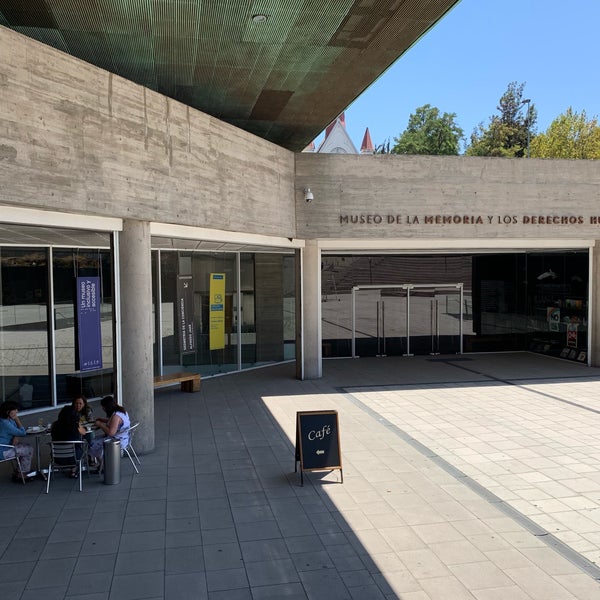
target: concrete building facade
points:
(100, 175)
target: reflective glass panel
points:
(68, 264)
(24, 370)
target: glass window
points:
(256, 324)
(68, 264)
(24, 365)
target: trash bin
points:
(112, 461)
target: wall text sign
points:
(389, 219)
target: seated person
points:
(67, 428)
(115, 425)
(10, 430)
(84, 412)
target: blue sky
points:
(465, 63)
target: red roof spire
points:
(367, 144)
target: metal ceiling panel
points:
(284, 74)
(74, 15)
(50, 37)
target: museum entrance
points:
(407, 319)
(386, 305)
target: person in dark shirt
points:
(67, 428)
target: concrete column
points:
(311, 310)
(137, 395)
(594, 325)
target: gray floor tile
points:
(222, 556)
(141, 541)
(12, 572)
(271, 572)
(260, 550)
(239, 594)
(316, 583)
(13, 590)
(304, 543)
(187, 586)
(181, 539)
(146, 507)
(144, 561)
(62, 550)
(216, 517)
(90, 583)
(52, 573)
(310, 561)
(252, 514)
(48, 593)
(35, 528)
(107, 521)
(183, 524)
(142, 494)
(99, 563)
(189, 559)
(285, 591)
(23, 550)
(111, 506)
(366, 592)
(227, 579)
(100, 543)
(182, 492)
(182, 508)
(262, 530)
(140, 585)
(140, 523)
(227, 535)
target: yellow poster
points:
(217, 311)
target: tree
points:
(507, 133)
(428, 132)
(570, 135)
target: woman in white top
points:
(115, 425)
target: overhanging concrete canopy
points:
(281, 69)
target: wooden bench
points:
(190, 382)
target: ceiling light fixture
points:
(259, 18)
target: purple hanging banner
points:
(89, 335)
(185, 314)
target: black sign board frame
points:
(318, 442)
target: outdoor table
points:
(38, 432)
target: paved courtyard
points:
(472, 477)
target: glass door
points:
(379, 316)
(404, 320)
(435, 319)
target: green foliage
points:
(508, 132)
(428, 132)
(570, 135)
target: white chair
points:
(64, 456)
(129, 449)
(3, 449)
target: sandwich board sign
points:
(318, 442)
